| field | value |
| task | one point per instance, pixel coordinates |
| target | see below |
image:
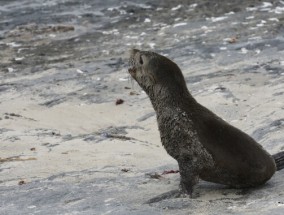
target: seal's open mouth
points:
(132, 71)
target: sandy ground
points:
(67, 148)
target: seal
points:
(204, 145)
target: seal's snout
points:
(132, 68)
(133, 52)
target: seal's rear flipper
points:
(279, 160)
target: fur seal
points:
(204, 145)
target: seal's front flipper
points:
(188, 175)
(279, 160)
(168, 195)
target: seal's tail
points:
(279, 160)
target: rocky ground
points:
(66, 144)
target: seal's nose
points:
(133, 52)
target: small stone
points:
(119, 102)
(22, 182)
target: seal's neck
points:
(166, 98)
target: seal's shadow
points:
(207, 191)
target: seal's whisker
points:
(131, 80)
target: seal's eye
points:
(141, 60)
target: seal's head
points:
(154, 72)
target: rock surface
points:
(66, 147)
